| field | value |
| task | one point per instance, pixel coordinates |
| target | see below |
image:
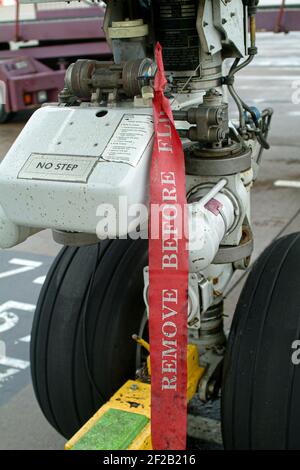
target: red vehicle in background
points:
(37, 43)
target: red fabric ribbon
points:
(168, 276)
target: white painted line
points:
(40, 280)
(290, 64)
(8, 373)
(261, 78)
(287, 184)
(13, 305)
(15, 363)
(250, 87)
(293, 113)
(27, 265)
(25, 339)
(26, 262)
(259, 100)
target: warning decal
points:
(58, 168)
(130, 140)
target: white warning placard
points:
(130, 139)
(58, 167)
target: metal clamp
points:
(74, 238)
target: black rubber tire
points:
(69, 384)
(261, 385)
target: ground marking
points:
(39, 280)
(13, 362)
(26, 265)
(261, 78)
(287, 184)
(10, 319)
(25, 339)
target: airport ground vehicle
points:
(36, 48)
(278, 16)
(90, 306)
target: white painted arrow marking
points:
(13, 362)
(26, 265)
(40, 280)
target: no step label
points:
(58, 168)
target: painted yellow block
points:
(194, 371)
(143, 441)
(135, 397)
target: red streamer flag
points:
(168, 276)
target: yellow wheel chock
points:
(123, 423)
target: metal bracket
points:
(74, 238)
(232, 254)
(210, 381)
(208, 162)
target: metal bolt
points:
(134, 387)
(147, 92)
